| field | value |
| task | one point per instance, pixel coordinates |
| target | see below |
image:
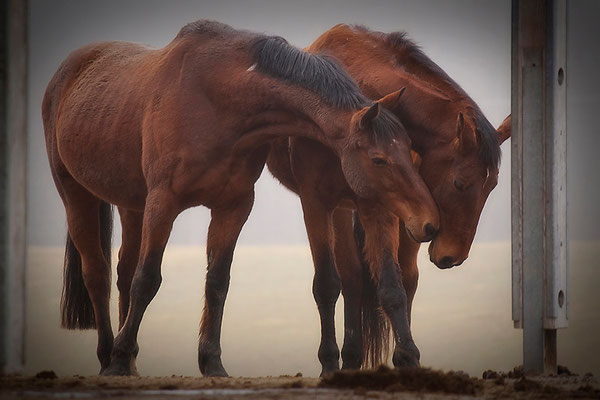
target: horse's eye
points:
(379, 161)
(459, 185)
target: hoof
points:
(406, 357)
(116, 370)
(216, 371)
(212, 367)
(327, 370)
(120, 369)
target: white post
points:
(13, 162)
(539, 224)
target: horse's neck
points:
(297, 112)
(429, 105)
(428, 114)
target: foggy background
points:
(470, 40)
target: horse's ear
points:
(460, 125)
(392, 100)
(416, 158)
(369, 115)
(504, 129)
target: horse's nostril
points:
(446, 262)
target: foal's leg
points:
(349, 267)
(223, 232)
(131, 223)
(326, 283)
(159, 213)
(381, 247)
(407, 258)
(82, 209)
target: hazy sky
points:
(470, 40)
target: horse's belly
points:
(221, 184)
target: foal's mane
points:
(489, 146)
(322, 74)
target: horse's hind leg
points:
(83, 212)
(160, 211)
(223, 232)
(131, 223)
(326, 282)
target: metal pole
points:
(539, 233)
(13, 161)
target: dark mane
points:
(489, 147)
(316, 72)
(386, 125)
(319, 73)
(323, 75)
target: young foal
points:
(156, 131)
(459, 157)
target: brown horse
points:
(459, 158)
(156, 131)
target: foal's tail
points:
(375, 326)
(76, 306)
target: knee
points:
(147, 278)
(326, 287)
(392, 297)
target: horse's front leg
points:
(223, 232)
(159, 213)
(381, 250)
(349, 266)
(394, 302)
(326, 282)
(407, 258)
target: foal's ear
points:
(369, 115)
(504, 129)
(416, 158)
(392, 100)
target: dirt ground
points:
(383, 383)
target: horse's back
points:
(91, 119)
(115, 110)
(78, 62)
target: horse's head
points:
(378, 167)
(461, 174)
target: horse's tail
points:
(376, 329)
(76, 306)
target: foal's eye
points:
(459, 185)
(379, 161)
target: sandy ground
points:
(383, 383)
(461, 317)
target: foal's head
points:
(378, 166)
(461, 173)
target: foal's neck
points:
(294, 111)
